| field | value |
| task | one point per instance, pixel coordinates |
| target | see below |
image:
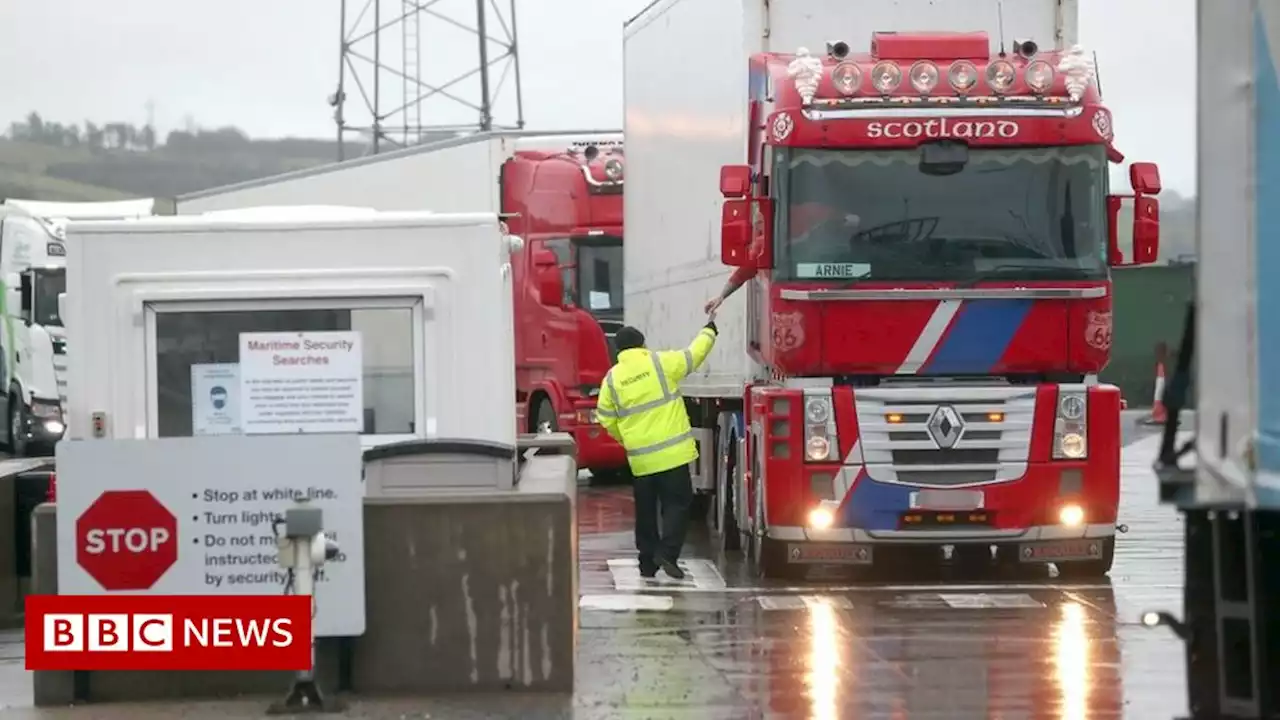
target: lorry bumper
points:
(1056, 512)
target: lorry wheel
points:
(726, 485)
(544, 421)
(1090, 569)
(17, 421)
(700, 508)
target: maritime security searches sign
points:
(309, 382)
(943, 128)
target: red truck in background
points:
(562, 193)
(911, 371)
(567, 205)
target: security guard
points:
(641, 407)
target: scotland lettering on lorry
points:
(942, 128)
(920, 222)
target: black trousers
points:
(667, 495)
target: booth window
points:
(194, 337)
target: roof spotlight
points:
(838, 50)
(1026, 48)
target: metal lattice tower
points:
(406, 87)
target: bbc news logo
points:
(168, 632)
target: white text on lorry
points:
(943, 128)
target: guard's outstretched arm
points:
(681, 363)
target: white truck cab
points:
(33, 341)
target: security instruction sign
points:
(194, 516)
(301, 382)
(215, 399)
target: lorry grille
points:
(988, 449)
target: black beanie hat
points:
(628, 338)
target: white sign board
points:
(301, 382)
(218, 495)
(215, 399)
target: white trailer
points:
(686, 116)
(457, 175)
(158, 306)
(1227, 484)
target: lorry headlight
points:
(819, 426)
(46, 410)
(1071, 425)
(820, 518)
(817, 410)
(1071, 515)
(817, 448)
(1071, 407)
(1071, 445)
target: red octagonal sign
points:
(126, 540)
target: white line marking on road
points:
(664, 585)
(624, 603)
(984, 601)
(700, 576)
(803, 602)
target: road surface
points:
(721, 645)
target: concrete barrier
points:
(466, 592)
(18, 482)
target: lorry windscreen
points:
(592, 269)
(46, 285)
(957, 214)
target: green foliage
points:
(45, 160)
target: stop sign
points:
(126, 540)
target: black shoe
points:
(648, 572)
(671, 569)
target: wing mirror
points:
(1134, 220)
(735, 181)
(737, 232)
(549, 281)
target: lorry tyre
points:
(726, 485)
(17, 420)
(769, 556)
(1090, 569)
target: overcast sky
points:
(268, 66)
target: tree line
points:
(123, 136)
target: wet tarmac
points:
(723, 645)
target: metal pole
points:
(515, 57)
(304, 585)
(340, 97)
(377, 75)
(486, 109)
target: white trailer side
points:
(1238, 343)
(456, 175)
(686, 117)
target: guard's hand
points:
(712, 305)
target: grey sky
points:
(268, 65)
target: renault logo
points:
(945, 426)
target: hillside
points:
(47, 160)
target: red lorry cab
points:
(566, 203)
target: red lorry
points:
(911, 369)
(560, 192)
(568, 208)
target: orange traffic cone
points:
(1159, 414)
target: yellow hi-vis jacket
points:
(641, 407)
